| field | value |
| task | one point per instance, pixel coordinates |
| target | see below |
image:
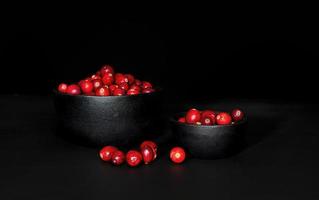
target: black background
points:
(193, 51)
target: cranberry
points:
(148, 90)
(124, 86)
(223, 118)
(182, 120)
(97, 83)
(237, 115)
(118, 157)
(106, 69)
(120, 78)
(86, 86)
(138, 82)
(130, 78)
(208, 117)
(112, 88)
(193, 116)
(107, 152)
(177, 155)
(152, 144)
(98, 73)
(133, 158)
(95, 76)
(148, 154)
(118, 92)
(63, 88)
(73, 89)
(146, 85)
(131, 92)
(102, 91)
(135, 87)
(108, 78)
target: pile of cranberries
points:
(106, 82)
(146, 154)
(210, 117)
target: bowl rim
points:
(173, 119)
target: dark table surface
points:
(280, 160)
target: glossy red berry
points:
(97, 83)
(131, 92)
(133, 158)
(106, 153)
(193, 116)
(223, 118)
(237, 115)
(63, 88)
(95, 76)
(182, 120)
(130, 78)
(108, 79)
(73, 89)
(148, 90)
(177, 155)
(118, 157)
(86, 86)
(138, 82)
(124, 86)
(120, 78)
(148, 154)
(106, 69)
(146, 85)
(135, 87)
(102, 91)
(152, 144)
(118, 92)
(208, 117)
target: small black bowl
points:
(209, 142)
(111, 120)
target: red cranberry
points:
(107, 152)
(192, 116)
(120, 78)
(208, 117)
(177, 155)
(112, 88)
(106, 69)
(148, 154)
(130, 78)
(97, 83)
(133, 158)
(152, 144)
(86, 86)
(146, 85)
(138, 82)
(102, 91)
(63, 88)
(124, 86)
(95, 76)
(131, 92)
(135, 87)
(237, 115)
(108, 78)
(223, 118)
(73, 89)
(118, 157)
(182, 120)
(148, 90)
(118, 92)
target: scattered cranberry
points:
(146, 85)
(86, 86)
(133, 158)
(63, 88)
(124, 86)
(112, 88)
(130, 78)
(182, 120)
(148, 90)
(152, 144)
(208, 117)
(108, 79)
(131, 92)
(102, 91)
(148, 154)
(138, 82)
(118, 157)
(177, 155)
(120, 78)
(107, 152)
(118, 92)
(193, 116)
(73, 89)
(95, 77)
(135, 87)
(97, 83)
(106, 69)
(223, 118)
(237, 115)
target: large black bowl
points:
(209, 142)
(111, 120)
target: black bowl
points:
(209, 142)
(111, 120)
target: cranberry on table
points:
(148, 154)
(63, 88)
(106, 153)
(118, 157)
(208, 117)
(148, 90)
(106, 69)
(177, 155)
(133, 158)
(112, 88)
(182, 120)
(146, 85)
(138, 82)
(130, 78)
(95, 76)
(73, 89)
(124, 86)
(108, 78)
(152, 144)
(223, 118)
(120, 78)
(135, 87)
(102, 91)
(131, 92)
(118, 92)
(86, 86)
(97, 83)
(193, 116)
(237, 115)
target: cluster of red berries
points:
(147, 154)
(106, 82)
(210, 117)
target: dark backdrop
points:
(194, 52)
